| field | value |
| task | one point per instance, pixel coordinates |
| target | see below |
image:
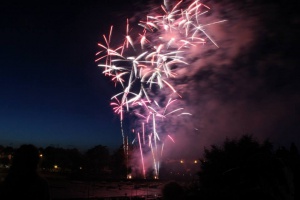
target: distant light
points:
(181, 161)
(129, 176)
(55, 166)
(195, 161)
(41, 155)
(80, 167)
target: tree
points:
(244, 169)
(97, 161)
(6, 155)
(68, 160)
(118, 163)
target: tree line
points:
(95, 163)
(241, 168)
(245, 169)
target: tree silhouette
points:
(6, 155)
(118, 163)
(97, 161)
(66, 159)
(244, 169)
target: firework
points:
(142, 157)
(148, 65)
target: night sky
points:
(53, 93)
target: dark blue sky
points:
(52, 92)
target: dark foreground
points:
(62, 188)
(65, 189)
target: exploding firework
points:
(145, 69)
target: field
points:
(62, 188)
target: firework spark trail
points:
(162, 148)
(143, 133)
(171, 138)
(142, 157)
(141, 69)
(154, 160)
